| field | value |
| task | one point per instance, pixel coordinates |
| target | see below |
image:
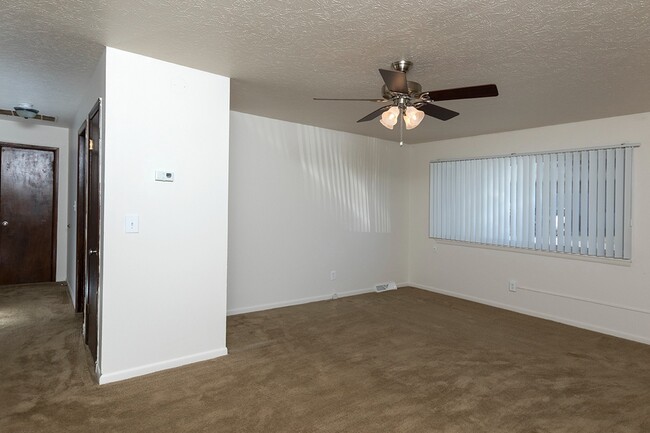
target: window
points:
(576, 202)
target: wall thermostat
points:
(165, 176)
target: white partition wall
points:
(163, 294)
(307, 201)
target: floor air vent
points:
(385, 286)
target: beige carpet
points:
(402, 361)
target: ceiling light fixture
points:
(408, 103)
(26, 110)
(411, 116)
(390, 117)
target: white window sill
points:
(604, 260)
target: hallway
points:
(42, 355)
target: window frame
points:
(574, 253)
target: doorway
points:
(28, 213)
(82, 193)
(93, 209)
(88, 251)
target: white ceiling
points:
(554, 61)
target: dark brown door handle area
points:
(5, 223)
(92, 252)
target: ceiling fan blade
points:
(395, 81)
(484, 91)
(374, 114)
(437, 111)
(349, 99)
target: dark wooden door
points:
(82, 214)
(27, 214)
(93, 229)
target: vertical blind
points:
(576, 202)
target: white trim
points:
(356, 292)
(159, 366)
(554, 254)
(508, 155)
(299, 301)
(575, 323)
(288, 303)
(591, 301)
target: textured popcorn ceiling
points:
(554, 61)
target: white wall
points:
(482, 274)
(42, 134)
(94, 89)
(306, 201)
(163, 294)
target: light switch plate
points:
(131, 224)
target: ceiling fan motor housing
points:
(414, 90)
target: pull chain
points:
(401, 130)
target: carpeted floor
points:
(402, 361)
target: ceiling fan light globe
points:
(389, 117)
(412, 117)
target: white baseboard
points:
(159, 366)
(541, 315)
(355, 292)
(280, 304)
(299, 301)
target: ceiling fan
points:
(409, 103)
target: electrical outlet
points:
(332, 275)
(512, 285)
